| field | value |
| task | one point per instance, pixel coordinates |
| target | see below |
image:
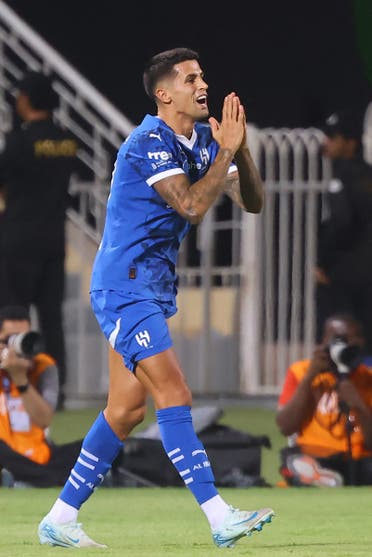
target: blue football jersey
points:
(142, 234)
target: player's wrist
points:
(243, 150)
(226, 152)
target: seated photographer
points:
(28, 399)
(325, 410)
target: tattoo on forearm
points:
(232, 189)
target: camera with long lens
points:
(345, 357)
(26, 345)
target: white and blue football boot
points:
(238, 524)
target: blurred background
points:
(292, 63)
(246, 289)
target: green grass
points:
(154, 522)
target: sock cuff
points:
(174, 414)
(101, 430)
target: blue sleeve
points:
(153, 155)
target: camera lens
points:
(27, 344)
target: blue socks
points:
(99, 449)
(101, 446)
(186, 452)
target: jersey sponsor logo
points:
(159, 155)
(200, 466)
(143, 338)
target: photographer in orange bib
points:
(28, 399)
(325, 411)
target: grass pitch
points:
(158, 522)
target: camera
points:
(26, 345)
(345, 357)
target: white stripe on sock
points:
(75, 484)
(90, 455)
(86, 464)
(78, 476)
(177, 459)
(184, 472)
(175, 451)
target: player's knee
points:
(186, 396)
(133, 416)
(175, 395)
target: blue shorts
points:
(135, 327)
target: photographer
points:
(344, 266)
(28, 398)
(325, 409)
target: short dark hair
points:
(162, 64)
(348, 318)
(14, 313)
(38, 87)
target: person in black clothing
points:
(35, 169)
(344, 271)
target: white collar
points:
(189, 143)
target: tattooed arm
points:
(245, 186)
(192, 201)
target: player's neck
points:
(179, 123)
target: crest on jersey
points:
(204, 156)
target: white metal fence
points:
(246, 289)
(278, 317)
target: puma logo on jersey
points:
(156, 135)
